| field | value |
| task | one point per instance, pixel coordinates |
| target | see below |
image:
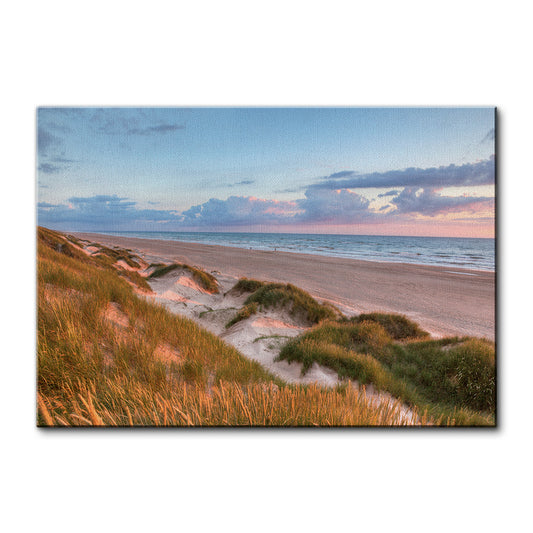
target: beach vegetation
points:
(447, 377)
(245, 312)
(119, 254)
(277, 295)
(206, 280)
(247, 285)
(135, 278)
(399, 327)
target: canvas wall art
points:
(256, 267)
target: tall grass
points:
(127, 403)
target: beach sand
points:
(444, 301)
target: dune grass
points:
(120, 254)
(160, 269)
(247, 285)
(245, 312)
(107, 357)
(136, 279)
(206, 280)
(268, 295)
(399, 327)
(448, 377)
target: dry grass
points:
(227, 404)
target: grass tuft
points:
(247, 285)
(246, 312)
(206, 280)
(269, 295)
(399, 327)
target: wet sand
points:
(444, 301)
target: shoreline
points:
(311, 253)
(443, 300)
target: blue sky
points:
(412, 171)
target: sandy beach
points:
(443, 301)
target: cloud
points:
(159, 129)
(480, 173)
(293, 189)
(319, 206)
(102, 212)
(125, 121)
(48, 168)
(240, 211)
(429, 203)
(47, 141)
(325, 206)
(389, 193)
(50, 150)
(342, 174)
(339, 207)
(220, 185)
(59, 159)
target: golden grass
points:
(227, 404)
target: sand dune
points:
(259, 337)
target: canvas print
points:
(273, 266)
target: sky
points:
(384, 171)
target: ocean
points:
(450, 252)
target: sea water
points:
(452, 252)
